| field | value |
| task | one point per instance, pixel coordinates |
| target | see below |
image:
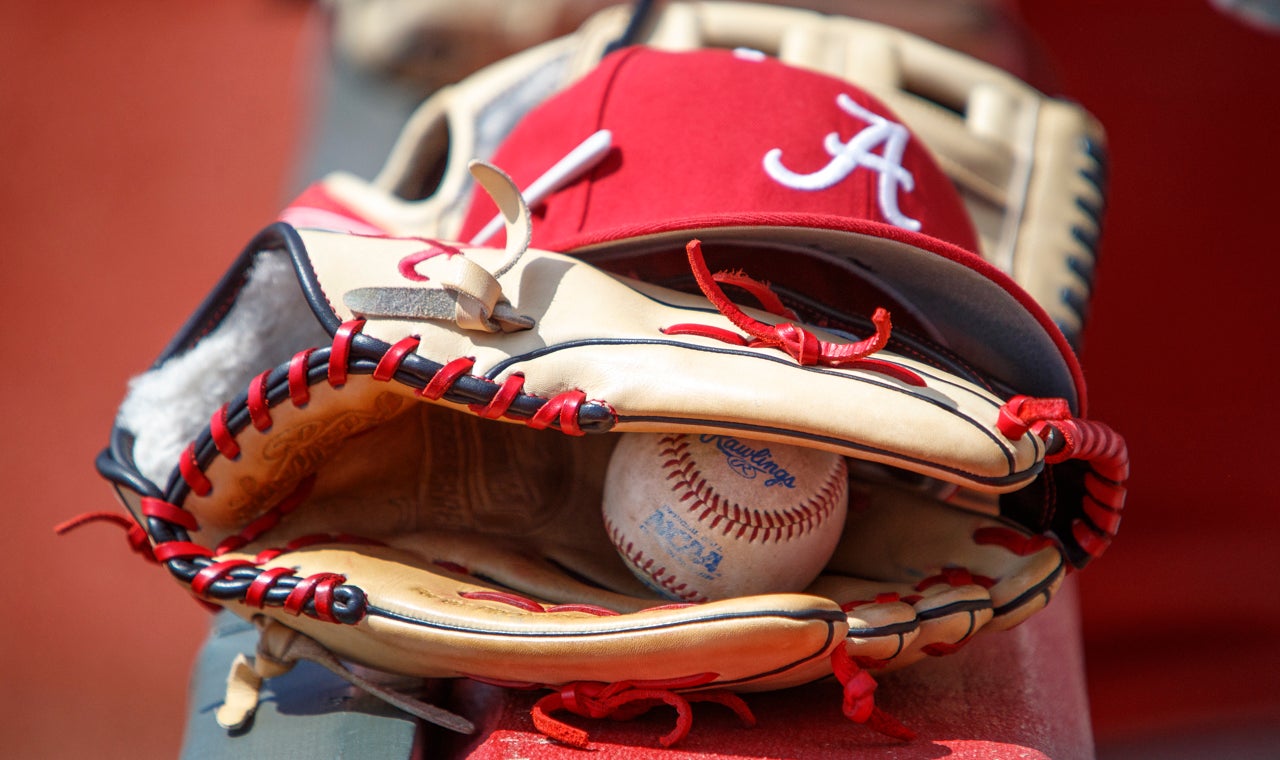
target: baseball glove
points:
(389, 449)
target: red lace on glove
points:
(625, 700)
(859, 703)
(800, 344)
(1102, 448)
(138, 540)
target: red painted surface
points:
(1180, 628)
(143, 143)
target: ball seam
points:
(637, 559)
(690, 483)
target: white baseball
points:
(701, 517)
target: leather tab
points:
(243, 687)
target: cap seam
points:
(593, 177)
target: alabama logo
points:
(847, 156)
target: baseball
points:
(703, 517)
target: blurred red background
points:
(143, 143)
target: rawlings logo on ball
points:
(749, 462)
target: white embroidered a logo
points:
(847, 156)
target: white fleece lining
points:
(167, 407)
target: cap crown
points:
(713, 138)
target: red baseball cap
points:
(800, 169)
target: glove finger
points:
(881, 625)
(944, 615)
(950, 613)
(952, 559)
(430, 622)
(1022, 571)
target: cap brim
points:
(980, 312)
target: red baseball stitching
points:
(660, 576)
(752, 524)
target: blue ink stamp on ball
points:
(681, 541)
